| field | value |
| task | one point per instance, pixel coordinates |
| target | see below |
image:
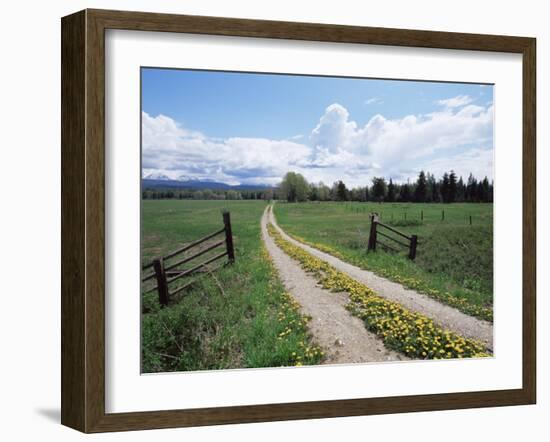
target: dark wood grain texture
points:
(83, 219)
(530, 220)
(73, 252)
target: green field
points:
(454, 259)
(230, 318)
(240, 316)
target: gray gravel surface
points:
(445, 316)
(343, 337)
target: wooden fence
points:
(412, 215)
(166, 273)
(380, 229)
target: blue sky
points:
(326, 128)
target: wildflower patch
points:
(410, 333)
(446, 297)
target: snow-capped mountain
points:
(158, 176)
(165, 182)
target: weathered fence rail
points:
(377, 229)
(166, 273)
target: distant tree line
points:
(295, 188)
(207, 194)
(426, 189)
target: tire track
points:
(444, 315)
(342, 336)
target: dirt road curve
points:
(444, 315)
(342, 336)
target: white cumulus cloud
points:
(458, 137)
(178, 152)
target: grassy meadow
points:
(236, 316)
(240, 316)
(454, 260)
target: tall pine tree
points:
(405, 194)
(452, 187)
(444, 188)
(378, 189)
(341, 191)
(421, 190)
(391, 191)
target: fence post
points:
(412, 247)
(158, 265)
(470, 219)
(372, 236)
(228, 237)
(421, 215)
(442, 215)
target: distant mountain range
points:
(162, 181)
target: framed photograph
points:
(269, 220)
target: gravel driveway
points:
(442, 314)
(343, 337)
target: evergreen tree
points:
(313, 194)
(341, 191)
(479, 192)
(486, 190)
(460, 190)
(294, 187)
(444, 188)
(433, 193)
(452, 187)
(405, 194)
(379, 189)
(471, 189)
(391, 191)
(421, 190)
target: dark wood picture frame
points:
(83, 219)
